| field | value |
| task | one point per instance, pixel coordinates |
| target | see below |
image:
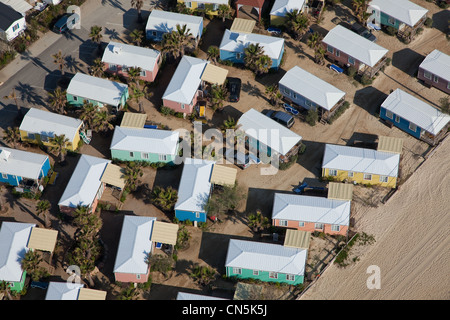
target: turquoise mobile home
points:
(22, 168)
(233, 45)
(266, 262)
(100, 92)
(142, 144)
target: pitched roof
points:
(134, 245)
(63, 290)
(355, 45)
(311, 209)
(13, 246)
(194, 296)
(50, 124)
(438, 63)
(265, 257)
(21, 163)
(282, 7)
(145, 140)
(311, 87)
(403, 10)
(186, 80)
(267, 131)
(416, 111)
(8, 16)
(166, 21)
(97, 89)
(130, 56)
(195, 185)
(237, 42)
(361, 160)
(20, 6)
(84, 182)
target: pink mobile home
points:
(434, 71)
(119, 57)
(185, 87)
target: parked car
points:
(274, 31)
(66, 22)
(281, 117)
(359, 29)
(234, 89)
(240, 159)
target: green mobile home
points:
(265, 262)
(100, 92)
(150, 145)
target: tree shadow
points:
(28, 94)
(113, 35)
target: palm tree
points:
(58, 100)
(5, 289)
(133, 171)
(96, 36)
(129, 293)
(218, 95)
(13, 96)
(97, 68)
(203, 274)
(137, 4)
(360, 10)
(263, 65)
(87, 113)
(251, 55)
(176, 42)
(59, 146)
(12, 136)
(213, 53)
(30, 264)
(319, 55)
(229, 123)
(60, 60)
(165, 198)
(43, 206)
(297, 23)
(314, 40)
(137, 36)
(257, 221)
(224, 12)
(273, 94)
(102, 121)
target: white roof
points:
(130, 56)
(63, 290)
(145, 140)
(166, 21)
(13, 246)
(311, 209)
(311, 87)
(361, 160)
(282, 7)
(355, 45)
(19, 5)
(186, 80)
(237, 42)
(403, 10)
(85, 182)
(21, 163)
(416, 111)
(98, 89)
(195, 185)
(265, 257)
(438, 63)
(268, 131)
(50, 124)
(194, 296)
(134, 245)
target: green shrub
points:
(366, 80)
(351, 71)
(166, 111)
(312, 117)
(391, 31)
(428, 22)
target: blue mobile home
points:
(19, 168)
(161, 22)
(233, 45)
(414, 116)
(194, 190)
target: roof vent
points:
(242, 38)
(117, 49)
(4, 155)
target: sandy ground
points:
(397, 234)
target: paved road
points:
(33, 74)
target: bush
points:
(339, 112)
(351, 71)
(312, 117)
(365, 80)
(166, 111)
(391, 31)
(428, 22)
